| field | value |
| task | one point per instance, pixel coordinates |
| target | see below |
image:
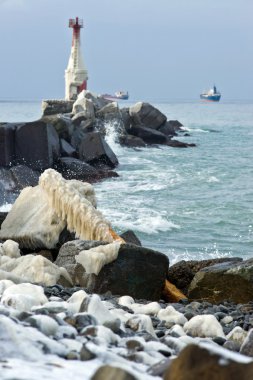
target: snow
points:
(170, 315)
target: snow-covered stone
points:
(151, 308)
(4, 284)
(75, 301)
(96, 307)
(204, 326)
(11, 249)
(140, 322)
(44, 323)
(237, 335)
(171, 316)
(23, 296)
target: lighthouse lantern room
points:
(76, 74)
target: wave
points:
(5, 207)
(147, 224)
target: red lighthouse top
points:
(75, 23)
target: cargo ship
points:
(119, 95)
(212, 95)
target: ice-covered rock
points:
(95, 258)
(4, 284)
(23, 296)
(204, 326)
(171, 316)
(237, 335)
(75, 301)
(140, 322)
(44, 323)
(151, 308)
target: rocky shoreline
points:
(78, 300)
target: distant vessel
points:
(118, 95)
(212, 95)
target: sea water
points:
(189, 203)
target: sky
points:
(155, 49)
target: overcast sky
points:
(155, 49)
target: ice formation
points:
(95, 258)
(170, 315)
(74, 202)
(204, 326)
(151, 308)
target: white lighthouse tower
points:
(76, 74)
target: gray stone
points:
(72, 168)
(67, 150)
(130, 238)
(148, 135)
(131, 141)
(24, 176)
(52, 107)
(7, 144)
(95, 150)
(247, 346)
(170, 128)
(37, 145)
(147, 115)
(231, 281)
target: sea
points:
(190, 203)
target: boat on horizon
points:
(120, 95)
(212, 95)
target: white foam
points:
(6, 207)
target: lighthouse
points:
(76, 74)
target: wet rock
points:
(130, 237)
(227, 281)
(148, 135)
(72, 168)
(198, 363)
(37, 145)
(247, 346)
(170, 128)
(178, 144)
(3, 216)
(131, 141)
(95, 151)
(7, 143)
(24, 176)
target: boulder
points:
(52, 107)
(138, 272)
(199, 363)
(97, 100)
(95, 150)
(130, 238)
(67, 150)
(67, 253)
(31, 222)
(109, 372)
(86, 107)
(181, 274)
(72, 168)
(170, 128)
(147, 115)
(178, 144)
(7, 144)
(131, 141)
(111, 113)
(3, 216)
(24, 176)
(231, 281)
(62, 124)
(37, 145)
(148, 135)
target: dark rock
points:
(72, 168)
(231, 281)
(2, 217)
(95, 150)
(126, 118)
(24, 176)
(147, 115)
(67, 150)
(138, 272)
(131, 141)
(7, 144)
(198, 363)
(178, 144)
(79, 117)
(168, 129)
(45, 253)
(182, 273)
(232, 346)
(247, 346)
(52, 107)
(37, 145)
(109, 372)
(62, 124)
(86, 354)
(148, 135)
(130, 238)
